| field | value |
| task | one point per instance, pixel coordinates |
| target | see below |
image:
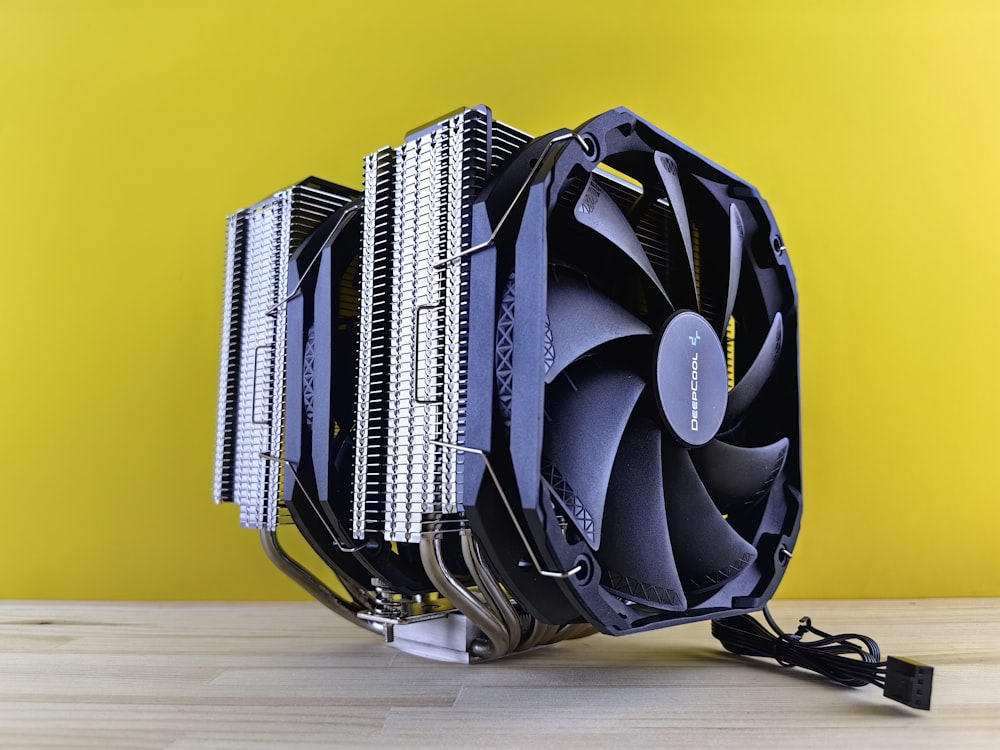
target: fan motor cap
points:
(692, 382)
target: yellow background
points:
(128, 131)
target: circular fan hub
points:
(692, 383)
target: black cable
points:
(850, 659)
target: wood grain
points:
(254, 675)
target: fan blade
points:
(588, 420)
(750, 385)
(670, 177)
(736, 235)
(598, 211)
(707, 550)
(581, 319)
(738, 477)
(635, 548)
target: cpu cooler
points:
(518, 390)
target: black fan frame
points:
(626, 143)
(318, 494)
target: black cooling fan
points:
(517, 390)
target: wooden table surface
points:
(247, 675)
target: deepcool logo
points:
(694, 383)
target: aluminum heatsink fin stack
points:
(252, 376)
(413, 383)
(374, 321)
